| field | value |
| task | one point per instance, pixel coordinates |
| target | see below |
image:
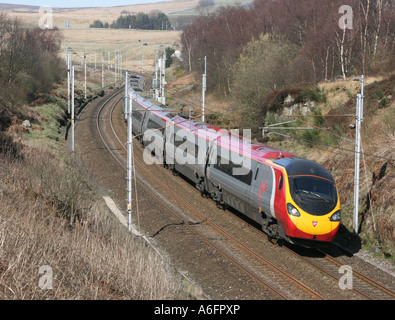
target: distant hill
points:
(83, 17)
(10, 7)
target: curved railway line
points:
(278, 281)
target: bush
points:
(29, 61)
(314, 93)
(262, 67)
(5, 117)
(59, 185)
(318, 120)
(169, 59)
(310, 137)
(9, 148)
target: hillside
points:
(83, 17)
(52, 221)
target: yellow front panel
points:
(311, 224)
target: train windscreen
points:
(315, 195)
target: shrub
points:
(310, 137)
(5, 118)
(9, 148)
(314, 93)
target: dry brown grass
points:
(130, 42)
(120, 36)
(52, 218)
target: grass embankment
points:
(53, 224)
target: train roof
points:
(221, 137)
(298, 166)
(225, 138)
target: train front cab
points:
(309, 211)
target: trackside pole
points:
(125, 103)
(204, 87)
(129, 162)
(68, 80)
(359, 119)
(84, 75)
(156, 86)
(162, 67)
(72, 108)
(357, 160)
(102, 69)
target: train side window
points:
(280, 182)
(137, 114)
(155, 126)
(227, 167)
(191, 148)
(245, 178)
(177, 141)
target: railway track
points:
(277, 281)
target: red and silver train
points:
(290, 197)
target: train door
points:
(279, 199)
(137, 117)
(262, 191)
(186, 153)
(169, 145)
(154, 136)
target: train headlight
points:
(336, 216)
(292, 210)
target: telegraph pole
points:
(359, 119)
